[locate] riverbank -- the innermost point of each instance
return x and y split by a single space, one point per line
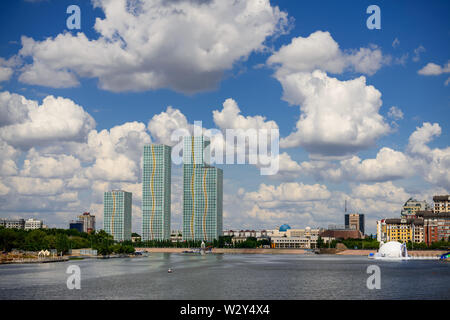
35 260
229 250
346 252
260 251
412 253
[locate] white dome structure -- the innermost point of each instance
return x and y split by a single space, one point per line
392 250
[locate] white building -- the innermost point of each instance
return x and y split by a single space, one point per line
32 224
88 222
245 233
295 238
294 242
381 230
176 236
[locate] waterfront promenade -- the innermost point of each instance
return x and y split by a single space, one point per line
229 251
35 260
347 252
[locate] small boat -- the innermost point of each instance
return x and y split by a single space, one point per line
141 253
169 271
445 257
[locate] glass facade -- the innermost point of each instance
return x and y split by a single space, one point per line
156 179
196 151
202 192
117 214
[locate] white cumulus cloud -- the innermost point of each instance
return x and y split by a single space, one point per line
182 45
433 69
337 117
320 51
27 124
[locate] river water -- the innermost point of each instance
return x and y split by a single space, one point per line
228 276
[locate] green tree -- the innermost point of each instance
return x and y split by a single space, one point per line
320 242
62 243
7 239
35 241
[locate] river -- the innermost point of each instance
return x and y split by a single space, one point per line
228 276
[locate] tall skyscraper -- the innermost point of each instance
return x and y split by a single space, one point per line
117 214
202 192
156 179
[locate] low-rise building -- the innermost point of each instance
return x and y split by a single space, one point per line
296 239
441 203
436 226
77 225
398 230
342 234
135 238
411 206
293 242
32 224
83 252
238 236
245 233
401 229
176 236
418 222
404 230
12 223
307 232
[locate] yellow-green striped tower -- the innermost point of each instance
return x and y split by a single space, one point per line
117 214
156 179
202 192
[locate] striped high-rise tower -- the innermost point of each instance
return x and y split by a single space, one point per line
156 192
202 192
117 214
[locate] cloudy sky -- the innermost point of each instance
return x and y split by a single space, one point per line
363 114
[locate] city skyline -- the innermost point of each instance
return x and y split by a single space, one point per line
362 118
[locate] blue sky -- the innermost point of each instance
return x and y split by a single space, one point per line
413 34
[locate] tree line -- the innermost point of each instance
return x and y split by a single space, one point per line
62 240
222 242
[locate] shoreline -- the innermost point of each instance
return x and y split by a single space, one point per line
229 251
346 252
33 260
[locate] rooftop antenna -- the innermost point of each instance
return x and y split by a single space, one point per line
345 205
